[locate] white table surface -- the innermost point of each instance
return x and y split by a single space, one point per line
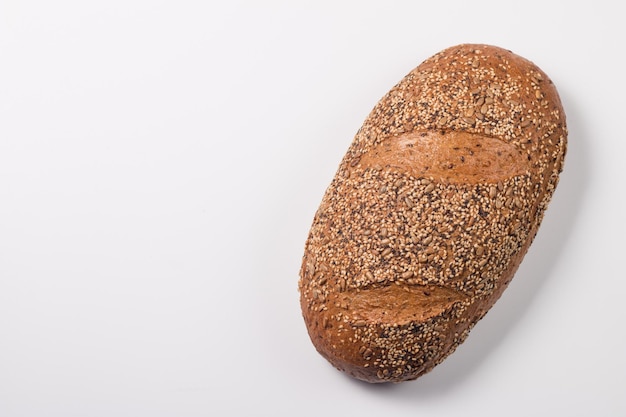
160 165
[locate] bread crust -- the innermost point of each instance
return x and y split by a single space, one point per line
431 211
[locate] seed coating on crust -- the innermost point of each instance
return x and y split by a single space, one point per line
431 211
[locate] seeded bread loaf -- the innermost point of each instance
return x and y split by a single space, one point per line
431 211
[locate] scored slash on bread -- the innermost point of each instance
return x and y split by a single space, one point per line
431 211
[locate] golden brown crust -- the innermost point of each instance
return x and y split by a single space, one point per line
431 211
447 156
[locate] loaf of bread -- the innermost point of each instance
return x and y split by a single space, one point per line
431 211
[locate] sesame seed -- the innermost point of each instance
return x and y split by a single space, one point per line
469 120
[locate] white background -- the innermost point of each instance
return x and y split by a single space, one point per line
160 165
